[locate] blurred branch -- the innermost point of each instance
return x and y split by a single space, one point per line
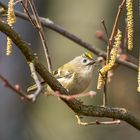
15 88
37 24
78 107
51 25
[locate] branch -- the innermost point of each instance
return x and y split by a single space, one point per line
116 21
96 122
39 27
51 25
15 88
71 97
34 95
78 107
109 47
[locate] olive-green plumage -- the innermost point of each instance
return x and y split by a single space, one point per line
75 75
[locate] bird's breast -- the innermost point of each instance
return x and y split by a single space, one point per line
76 84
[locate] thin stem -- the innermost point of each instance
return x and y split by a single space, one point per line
96 122
28 13
106 32
19 92
116 21
71 97
34 95
107 61
41 33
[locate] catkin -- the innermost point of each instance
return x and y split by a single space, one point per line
129 8
11 19
113 56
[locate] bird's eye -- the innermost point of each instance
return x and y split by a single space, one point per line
84 61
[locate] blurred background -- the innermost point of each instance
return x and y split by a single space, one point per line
50 118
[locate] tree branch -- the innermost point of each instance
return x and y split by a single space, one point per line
15 88
53 26
77 106
40 30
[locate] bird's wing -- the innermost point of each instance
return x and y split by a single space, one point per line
62 74
58 74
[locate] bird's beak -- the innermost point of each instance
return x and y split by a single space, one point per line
92 62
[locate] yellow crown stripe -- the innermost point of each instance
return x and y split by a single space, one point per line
88 55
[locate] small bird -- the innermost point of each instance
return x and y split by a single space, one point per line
75 75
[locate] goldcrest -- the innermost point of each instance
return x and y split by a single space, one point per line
75 75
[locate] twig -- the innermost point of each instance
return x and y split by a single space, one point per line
70 97
116 21
107 61
34 95
41 33
51 25
16 89
28 13
38 26
96 122
77 106
106 32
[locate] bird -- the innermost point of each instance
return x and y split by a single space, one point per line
75 76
